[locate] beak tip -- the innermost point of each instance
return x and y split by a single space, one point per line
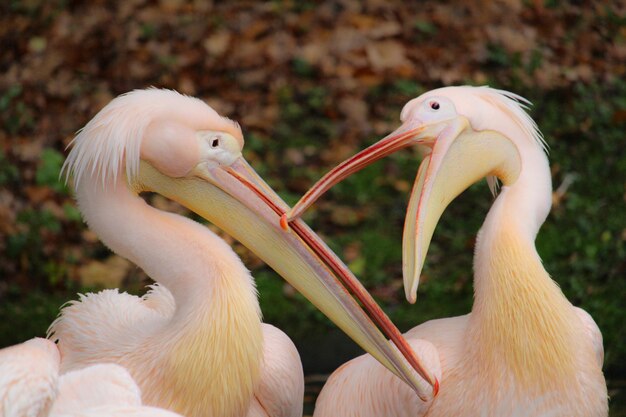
410 289
284 222
411 297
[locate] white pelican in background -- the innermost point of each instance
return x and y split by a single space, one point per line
30 386
523 346
195 343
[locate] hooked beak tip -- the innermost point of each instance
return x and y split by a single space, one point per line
284 222
410 291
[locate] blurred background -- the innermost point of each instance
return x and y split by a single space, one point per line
312 83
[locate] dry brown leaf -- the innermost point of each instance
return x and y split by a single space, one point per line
107 274
263 119
355 111
218 43
352 251
386 55
37 194
165 204
281 48
513 39
344 216
385 30
347 39
362 21
313 52
7 213
295 156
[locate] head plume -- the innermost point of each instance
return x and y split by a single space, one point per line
516 107
112 140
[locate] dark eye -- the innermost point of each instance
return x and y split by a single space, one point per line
215 142
434 105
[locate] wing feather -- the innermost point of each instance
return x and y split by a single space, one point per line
594 333
363 387
28 378
281 390
95 386
104 326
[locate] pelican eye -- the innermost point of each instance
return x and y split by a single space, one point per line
215 142
434 105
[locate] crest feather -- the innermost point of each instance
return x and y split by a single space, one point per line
516 107
111 141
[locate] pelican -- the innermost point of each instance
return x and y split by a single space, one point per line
523 349
30 385
195 343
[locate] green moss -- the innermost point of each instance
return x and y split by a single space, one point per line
25 316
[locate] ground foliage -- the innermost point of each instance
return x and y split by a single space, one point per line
311 83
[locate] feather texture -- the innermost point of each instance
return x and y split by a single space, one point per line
194 343
29 375
523 349
30 386
112 139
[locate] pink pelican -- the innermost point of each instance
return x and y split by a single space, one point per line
524 350
195 343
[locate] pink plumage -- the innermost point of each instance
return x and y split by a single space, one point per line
524 350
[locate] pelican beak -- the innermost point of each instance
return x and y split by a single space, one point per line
237 200
458 157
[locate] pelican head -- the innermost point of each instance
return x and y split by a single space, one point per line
469 133
162 141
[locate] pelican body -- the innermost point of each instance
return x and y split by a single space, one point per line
195 343
524 350
30 386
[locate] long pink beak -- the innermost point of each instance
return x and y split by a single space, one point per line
401 138
248 178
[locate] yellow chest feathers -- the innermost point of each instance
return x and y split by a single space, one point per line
213 366
522 324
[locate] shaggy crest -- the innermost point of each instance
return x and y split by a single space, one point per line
112 139
516 107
